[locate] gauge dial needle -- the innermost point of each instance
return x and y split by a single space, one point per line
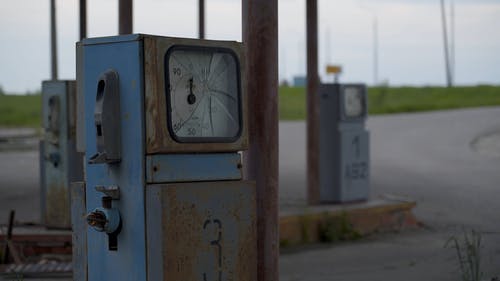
191 98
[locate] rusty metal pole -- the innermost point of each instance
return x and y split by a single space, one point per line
201 19
260 36
125 17
53 39
10 225
312 102
83 19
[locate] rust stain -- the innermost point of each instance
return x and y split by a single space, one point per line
58 209
247 250
180 257
207 233
152 95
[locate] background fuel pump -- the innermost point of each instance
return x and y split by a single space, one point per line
60 163
344 143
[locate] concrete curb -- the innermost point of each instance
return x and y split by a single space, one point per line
325 223
333 223
16 139
18 133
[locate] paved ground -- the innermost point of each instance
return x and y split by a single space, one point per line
427 157
19 186
447 161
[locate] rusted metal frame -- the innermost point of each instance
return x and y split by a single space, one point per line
39 238
83 19
125 17
13 252
260 36
7 237
312 102
9 248
201 19
158 139
53 39
39 270
20 250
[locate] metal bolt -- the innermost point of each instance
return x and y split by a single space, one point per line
97 220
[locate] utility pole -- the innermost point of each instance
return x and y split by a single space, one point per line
260 36
452 39
445 39
83 19
125 17
53 39
312 102
201 19
328 57
375 50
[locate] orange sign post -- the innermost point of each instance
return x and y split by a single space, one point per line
336 70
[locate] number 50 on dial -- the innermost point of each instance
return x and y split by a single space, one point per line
203 94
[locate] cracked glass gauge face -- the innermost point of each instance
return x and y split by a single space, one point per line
353 102
203 94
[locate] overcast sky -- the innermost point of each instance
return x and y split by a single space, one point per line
410 38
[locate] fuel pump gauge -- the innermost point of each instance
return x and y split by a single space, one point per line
353 99
203 94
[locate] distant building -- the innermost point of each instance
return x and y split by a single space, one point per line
299 81
284 83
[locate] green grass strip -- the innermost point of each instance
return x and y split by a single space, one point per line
384 100
25 110
20 111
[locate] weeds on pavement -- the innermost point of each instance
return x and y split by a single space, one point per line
468 251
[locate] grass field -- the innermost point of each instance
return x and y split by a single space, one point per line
25 111
403 99
20 111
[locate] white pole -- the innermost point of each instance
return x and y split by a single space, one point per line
452 39
375 50
445 39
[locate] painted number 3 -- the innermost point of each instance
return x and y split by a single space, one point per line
215 243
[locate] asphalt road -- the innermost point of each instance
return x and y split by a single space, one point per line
449 162
428 157
19 188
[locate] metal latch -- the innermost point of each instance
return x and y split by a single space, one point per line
106 218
